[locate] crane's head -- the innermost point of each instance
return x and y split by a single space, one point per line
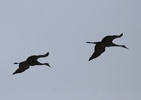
16 63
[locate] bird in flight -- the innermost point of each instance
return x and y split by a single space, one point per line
106 42
30 61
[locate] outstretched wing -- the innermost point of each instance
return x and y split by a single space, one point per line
35 57
22 67
109 39
99 49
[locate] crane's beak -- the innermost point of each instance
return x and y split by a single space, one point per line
16 63
92 42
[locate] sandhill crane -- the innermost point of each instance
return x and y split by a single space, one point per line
106 42
30 61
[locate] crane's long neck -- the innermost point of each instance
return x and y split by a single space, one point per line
93 42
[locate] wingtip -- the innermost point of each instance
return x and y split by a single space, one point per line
47 54
90 59
15 73
121 34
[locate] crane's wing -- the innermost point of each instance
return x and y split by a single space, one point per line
22 67
99 49
35 57
110 38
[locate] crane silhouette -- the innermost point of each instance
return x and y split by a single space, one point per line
106 42
30 61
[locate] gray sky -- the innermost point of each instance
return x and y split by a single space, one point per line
62 27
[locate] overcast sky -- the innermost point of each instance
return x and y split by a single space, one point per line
62 27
